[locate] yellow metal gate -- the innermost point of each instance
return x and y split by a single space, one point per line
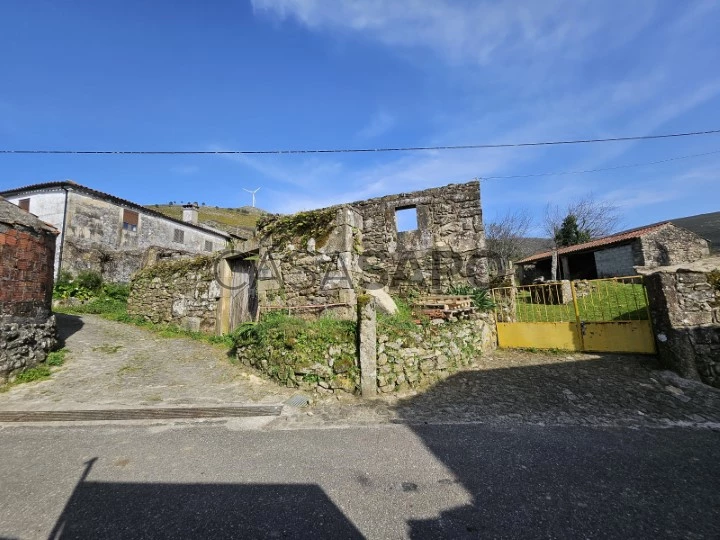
599 315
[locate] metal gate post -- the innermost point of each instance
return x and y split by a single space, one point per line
579 327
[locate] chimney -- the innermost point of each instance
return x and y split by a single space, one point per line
190 213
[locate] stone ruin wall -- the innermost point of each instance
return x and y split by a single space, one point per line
313 271
448 247
27 325
672 245
365 250
181 292
685 307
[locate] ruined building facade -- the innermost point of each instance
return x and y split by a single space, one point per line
312 262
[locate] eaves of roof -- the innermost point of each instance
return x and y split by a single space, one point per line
74 186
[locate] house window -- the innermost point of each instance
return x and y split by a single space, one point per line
406 219
130 220
208 245
24 204
179 236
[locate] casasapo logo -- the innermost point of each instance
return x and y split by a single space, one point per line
333 269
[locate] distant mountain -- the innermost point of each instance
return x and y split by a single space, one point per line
531 245
705 225
233 220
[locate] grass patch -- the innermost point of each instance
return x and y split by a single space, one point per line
39 372
607 301
114 310
56 358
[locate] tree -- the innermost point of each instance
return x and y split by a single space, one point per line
569 233
594 218
504 236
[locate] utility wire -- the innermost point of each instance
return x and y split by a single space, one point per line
361 150
599 170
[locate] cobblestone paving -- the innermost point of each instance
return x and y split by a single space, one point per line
115 365
540 388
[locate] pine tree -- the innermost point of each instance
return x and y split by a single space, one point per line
569 234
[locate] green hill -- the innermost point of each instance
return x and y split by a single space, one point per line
234 220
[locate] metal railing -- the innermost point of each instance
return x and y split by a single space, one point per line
597 300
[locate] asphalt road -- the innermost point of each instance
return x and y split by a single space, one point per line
219 480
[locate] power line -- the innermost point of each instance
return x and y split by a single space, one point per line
362 150
600 170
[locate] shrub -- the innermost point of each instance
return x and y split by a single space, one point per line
90 280
480 298
714 279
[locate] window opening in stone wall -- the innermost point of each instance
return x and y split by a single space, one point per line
24 204
406 219
179 236
208 245
130 220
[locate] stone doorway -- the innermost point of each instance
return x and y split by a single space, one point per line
243 291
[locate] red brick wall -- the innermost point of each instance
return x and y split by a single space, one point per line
26 272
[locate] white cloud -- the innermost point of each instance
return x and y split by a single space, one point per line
472 30
379 124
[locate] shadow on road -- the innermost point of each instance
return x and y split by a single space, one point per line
67 325
153 510
568 481
609 389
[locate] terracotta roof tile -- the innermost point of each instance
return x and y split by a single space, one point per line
598 242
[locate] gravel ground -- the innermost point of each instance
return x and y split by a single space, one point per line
543 389
114 365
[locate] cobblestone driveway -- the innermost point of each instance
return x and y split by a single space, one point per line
545 389
115 365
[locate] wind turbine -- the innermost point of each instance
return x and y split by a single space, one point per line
253 194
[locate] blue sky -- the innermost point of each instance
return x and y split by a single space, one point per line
265 74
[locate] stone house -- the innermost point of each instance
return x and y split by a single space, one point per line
110 235
311 262
661 244
27 325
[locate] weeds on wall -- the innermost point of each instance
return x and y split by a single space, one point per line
300 227
295 350
480 298
39 372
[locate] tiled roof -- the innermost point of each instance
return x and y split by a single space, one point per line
618 238
111 198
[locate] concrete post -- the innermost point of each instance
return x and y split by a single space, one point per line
367 338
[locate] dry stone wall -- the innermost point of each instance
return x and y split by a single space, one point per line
181 292
406 358
671 245
685 307
415 358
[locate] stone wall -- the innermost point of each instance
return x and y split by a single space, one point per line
406 357
311 259
182 292
326 256
670 245
447 248
414 358
96 240
27 326
685 308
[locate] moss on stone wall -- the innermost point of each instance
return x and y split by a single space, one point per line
167 269
320 354
299 228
